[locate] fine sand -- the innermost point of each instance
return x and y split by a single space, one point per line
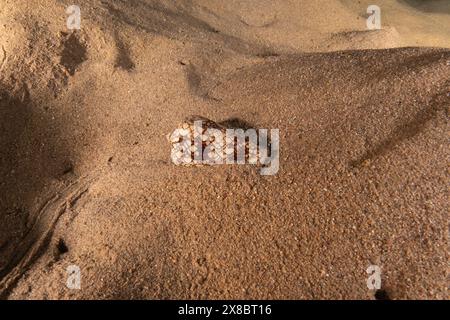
86 177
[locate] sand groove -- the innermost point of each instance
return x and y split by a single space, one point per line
38 236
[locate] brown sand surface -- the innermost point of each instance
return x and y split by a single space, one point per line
86 177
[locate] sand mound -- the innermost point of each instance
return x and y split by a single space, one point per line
86 172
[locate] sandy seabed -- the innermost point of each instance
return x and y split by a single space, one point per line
86 177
